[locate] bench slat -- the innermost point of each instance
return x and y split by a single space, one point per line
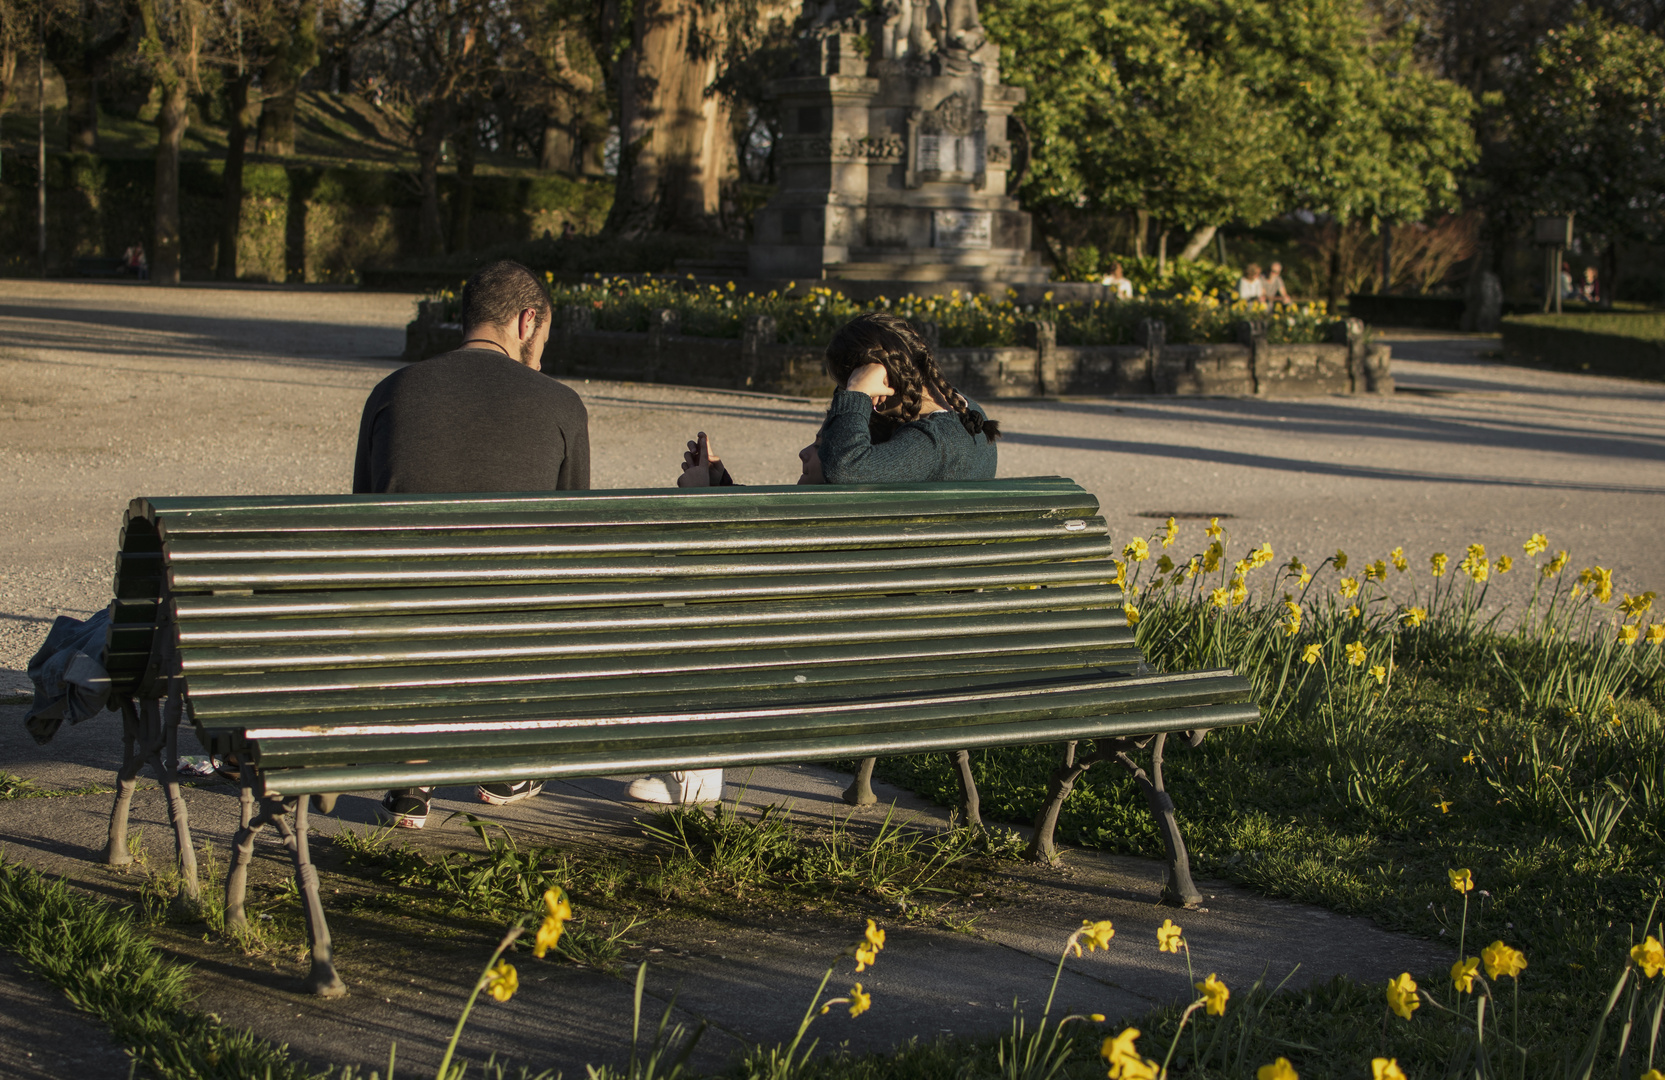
594 594
311 781
256 633
679 540
1014 652
633 643
303 574
600 728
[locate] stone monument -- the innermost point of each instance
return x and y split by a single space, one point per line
894 160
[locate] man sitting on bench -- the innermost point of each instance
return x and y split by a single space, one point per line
479 419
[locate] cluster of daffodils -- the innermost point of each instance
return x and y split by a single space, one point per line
500 979
1121 1051
866 953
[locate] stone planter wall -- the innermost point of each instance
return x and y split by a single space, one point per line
1043 368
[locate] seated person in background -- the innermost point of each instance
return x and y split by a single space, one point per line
1251 287
1273 290
479 419
894 418
1117 282
1589 290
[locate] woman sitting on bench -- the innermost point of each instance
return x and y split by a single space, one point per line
894 419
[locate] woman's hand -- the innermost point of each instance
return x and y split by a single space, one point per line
872 380
700 467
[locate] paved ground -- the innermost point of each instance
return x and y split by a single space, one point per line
109 391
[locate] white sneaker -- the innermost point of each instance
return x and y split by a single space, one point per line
681 788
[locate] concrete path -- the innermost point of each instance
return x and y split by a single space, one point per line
110 391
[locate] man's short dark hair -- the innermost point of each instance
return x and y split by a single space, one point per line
498 293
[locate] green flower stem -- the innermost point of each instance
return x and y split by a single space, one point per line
479 984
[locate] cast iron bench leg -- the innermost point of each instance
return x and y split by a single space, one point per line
1178 890
116 853
322 979
860 791
166 763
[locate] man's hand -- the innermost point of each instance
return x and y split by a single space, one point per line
700 467
872 380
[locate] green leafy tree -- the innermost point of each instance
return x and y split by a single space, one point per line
1585 130
1202 112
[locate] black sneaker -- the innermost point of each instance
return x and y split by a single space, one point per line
405 809
504 794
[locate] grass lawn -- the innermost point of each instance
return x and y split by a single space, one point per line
1645 325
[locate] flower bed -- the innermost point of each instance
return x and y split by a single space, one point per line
963 321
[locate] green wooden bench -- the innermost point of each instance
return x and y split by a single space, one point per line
349 643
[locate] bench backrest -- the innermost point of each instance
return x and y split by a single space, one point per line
406 636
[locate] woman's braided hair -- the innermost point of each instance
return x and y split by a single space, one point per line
878 337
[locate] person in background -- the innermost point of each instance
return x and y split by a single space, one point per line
1273 291
478 419
1589 290
1251 287
1117 283
133 262
1567 291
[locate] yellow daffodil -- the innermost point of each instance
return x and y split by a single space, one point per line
1376 571
1379 673
1437 562
502 981
1504 564
1212 557
1653 1074
1311 653
1132 614
557 912
873 935
1340 560
1119 1048
1628 634
1500 959
1353 612
1461 880
1097 935
866 957
1444 807
1402 996
1634 607
1536 544
1477 568
1555 565
1356 654
1164 565
1239 592
1169 938
1349 587
1214 993
1172 531
1136 549
1214 530
1219 598
1656 634
860 1001
1414 616
1280 1069
1400 563
1649 956
1386 1068
1295 565
1462 974
1260 556
1306 576
1121 572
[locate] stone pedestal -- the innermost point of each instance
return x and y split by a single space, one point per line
894 162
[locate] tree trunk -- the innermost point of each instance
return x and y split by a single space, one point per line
1197 241
675 151
1334 289
81 113
237 137
1387 260
1161 250
171 120
280 80
1610 274
430 228
1141 233
462 197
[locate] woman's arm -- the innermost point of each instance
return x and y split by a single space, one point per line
848 455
